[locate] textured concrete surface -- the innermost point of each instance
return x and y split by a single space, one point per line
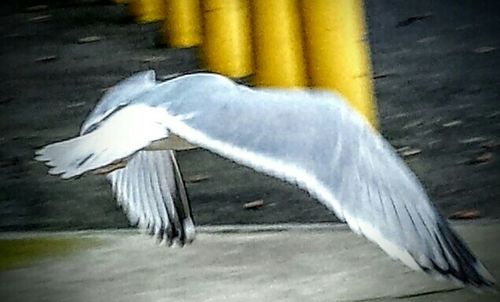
296 263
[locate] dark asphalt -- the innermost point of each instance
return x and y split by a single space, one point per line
437 76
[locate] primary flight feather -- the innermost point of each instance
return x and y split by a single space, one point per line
310 138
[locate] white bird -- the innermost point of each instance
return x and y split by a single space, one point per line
310 138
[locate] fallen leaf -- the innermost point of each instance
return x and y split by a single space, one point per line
465 214
413 124
382 75
491 144
254 204
427 39
482 158
412 20
494 114
196 178
89 39
41 18
403 148
484 49
471 140
411 152
152 59
75 105
46 58
452 124
36 8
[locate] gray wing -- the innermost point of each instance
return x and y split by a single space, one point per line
315 140
149 191
312 139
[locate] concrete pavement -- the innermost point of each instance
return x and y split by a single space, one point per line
322 262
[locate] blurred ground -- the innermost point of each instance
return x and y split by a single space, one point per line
437 75
301 263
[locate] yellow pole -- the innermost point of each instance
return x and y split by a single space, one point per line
146 11
337 51
226 43
182 25
279 55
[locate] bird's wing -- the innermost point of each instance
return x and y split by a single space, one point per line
150 191
314 140
119 95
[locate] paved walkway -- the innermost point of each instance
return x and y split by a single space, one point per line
274 263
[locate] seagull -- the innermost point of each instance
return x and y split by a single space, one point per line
310 138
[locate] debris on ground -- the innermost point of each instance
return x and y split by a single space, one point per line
472 140
427 39
452 123
254 204
494 114
76 105
413 124
410 152
196 178
484 49
382 75
491 144
412 20
402 149
482 158
90 39
152 59
40 18
36 8
46 58
465 214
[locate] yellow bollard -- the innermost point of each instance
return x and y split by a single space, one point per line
226 42
279 55
182 25
338 55
146 11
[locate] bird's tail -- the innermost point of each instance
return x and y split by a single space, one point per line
121 135
73 157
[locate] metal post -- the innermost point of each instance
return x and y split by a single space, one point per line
338 54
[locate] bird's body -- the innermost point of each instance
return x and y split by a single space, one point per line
310 138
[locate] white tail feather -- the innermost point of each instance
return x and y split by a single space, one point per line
121 135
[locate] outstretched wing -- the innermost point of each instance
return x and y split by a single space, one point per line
149 189
313 139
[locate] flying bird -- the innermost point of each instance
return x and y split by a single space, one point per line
310 138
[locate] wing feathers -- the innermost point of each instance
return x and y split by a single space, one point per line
145 193
400 219
312 139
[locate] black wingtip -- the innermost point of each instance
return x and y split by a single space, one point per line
464 267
